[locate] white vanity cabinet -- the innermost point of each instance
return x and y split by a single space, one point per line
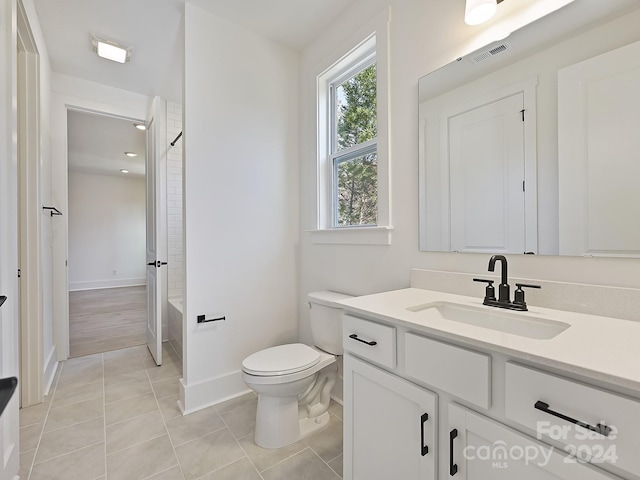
481 448
419 407
392 423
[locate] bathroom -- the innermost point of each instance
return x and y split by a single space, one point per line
252 249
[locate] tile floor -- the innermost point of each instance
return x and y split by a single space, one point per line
114 416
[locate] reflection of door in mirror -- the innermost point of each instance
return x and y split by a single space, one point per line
486 175
599 153
477 148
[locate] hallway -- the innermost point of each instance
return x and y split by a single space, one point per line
114 416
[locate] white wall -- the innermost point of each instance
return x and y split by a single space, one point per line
425 34
175 231
106 231
240 201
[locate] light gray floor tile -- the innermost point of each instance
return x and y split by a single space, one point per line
192 426
242 420
30 436
237 402
34 414
130 408
131 352
85 464
76 394
80 376
26 460
336 409
114 392
164 372
327 443
264 458
208 453
169 407
336 464
70 414
137 430
142 460
304 465
174 473
239 470
125 376
166 388
66 440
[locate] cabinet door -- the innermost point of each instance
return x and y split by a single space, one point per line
389 425
481 448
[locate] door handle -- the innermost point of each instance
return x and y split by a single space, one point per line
424 448
156 264
453 467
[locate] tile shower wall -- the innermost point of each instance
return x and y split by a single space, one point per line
174 202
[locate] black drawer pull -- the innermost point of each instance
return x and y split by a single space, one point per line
453 467
599 428
371 343
424 448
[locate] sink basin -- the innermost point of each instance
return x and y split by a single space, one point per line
493 319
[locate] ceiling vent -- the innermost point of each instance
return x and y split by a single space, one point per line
487 53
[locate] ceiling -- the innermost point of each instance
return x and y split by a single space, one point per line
153 28
96 144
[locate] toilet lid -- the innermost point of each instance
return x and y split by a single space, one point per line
281 360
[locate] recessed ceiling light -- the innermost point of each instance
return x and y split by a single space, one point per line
124 170
131 154
110 50
479 11
140 126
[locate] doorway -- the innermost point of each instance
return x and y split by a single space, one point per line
106 233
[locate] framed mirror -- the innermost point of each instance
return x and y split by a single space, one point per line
532 144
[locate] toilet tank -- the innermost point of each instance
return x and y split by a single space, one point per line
326 320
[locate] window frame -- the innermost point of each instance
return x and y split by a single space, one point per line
373 47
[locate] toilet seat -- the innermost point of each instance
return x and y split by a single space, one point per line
281 360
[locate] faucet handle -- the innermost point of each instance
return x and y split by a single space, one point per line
518 295
490 291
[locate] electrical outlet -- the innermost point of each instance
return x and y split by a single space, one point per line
115 272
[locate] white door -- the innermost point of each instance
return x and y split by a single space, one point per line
9 424
481 448
599 154
486 174
391 425
156 168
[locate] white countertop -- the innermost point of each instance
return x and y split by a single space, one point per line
604 348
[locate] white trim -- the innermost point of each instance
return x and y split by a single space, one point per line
352 236
97 284
50 367
211 392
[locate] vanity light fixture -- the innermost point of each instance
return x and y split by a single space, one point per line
124 170
131 154
140 126
479 11
110 50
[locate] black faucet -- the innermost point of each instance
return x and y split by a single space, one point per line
504 296
503 288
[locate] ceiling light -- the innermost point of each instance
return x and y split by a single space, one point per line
479 11
131 154
110 50
140 126
124 170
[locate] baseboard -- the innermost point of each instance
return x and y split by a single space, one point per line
50 368
210 392
115 283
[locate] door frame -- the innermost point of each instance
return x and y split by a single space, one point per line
60 105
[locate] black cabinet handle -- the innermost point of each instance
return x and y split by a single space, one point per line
424 448
355 337
599 428
2 299
453 467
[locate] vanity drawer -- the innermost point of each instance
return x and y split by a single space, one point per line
461 372
369 340
534 399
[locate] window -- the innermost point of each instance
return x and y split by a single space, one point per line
353 143
354 146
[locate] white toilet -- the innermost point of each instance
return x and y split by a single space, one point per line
294 381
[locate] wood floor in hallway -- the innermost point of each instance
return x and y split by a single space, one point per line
106 319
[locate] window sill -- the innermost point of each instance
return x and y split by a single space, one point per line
352 236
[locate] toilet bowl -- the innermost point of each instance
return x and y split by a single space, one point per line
294 381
